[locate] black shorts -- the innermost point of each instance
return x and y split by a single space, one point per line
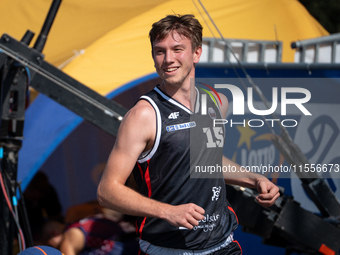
232 249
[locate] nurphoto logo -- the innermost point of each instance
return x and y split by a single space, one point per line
239 99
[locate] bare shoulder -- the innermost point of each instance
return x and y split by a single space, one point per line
141 115
145 108
73 241
74 234
138 125
223 104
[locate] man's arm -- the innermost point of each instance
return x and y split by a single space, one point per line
268 191
136 134
73 241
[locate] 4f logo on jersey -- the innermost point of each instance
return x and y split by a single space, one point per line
173 115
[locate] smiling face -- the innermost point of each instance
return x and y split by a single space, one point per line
174 59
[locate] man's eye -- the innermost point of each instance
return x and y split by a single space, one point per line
178 50
159 52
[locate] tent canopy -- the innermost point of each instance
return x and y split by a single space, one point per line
76 26
115 33
124 53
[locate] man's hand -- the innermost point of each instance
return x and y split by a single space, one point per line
186 215
268 192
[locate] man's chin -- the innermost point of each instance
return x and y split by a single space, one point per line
173 82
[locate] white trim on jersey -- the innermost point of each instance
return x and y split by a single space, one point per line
172 100
158 131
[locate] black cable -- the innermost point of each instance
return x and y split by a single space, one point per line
11 209
24 216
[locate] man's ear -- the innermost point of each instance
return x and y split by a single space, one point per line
197 54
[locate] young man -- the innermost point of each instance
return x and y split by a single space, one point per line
165 134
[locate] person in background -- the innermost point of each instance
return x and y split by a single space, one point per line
107 232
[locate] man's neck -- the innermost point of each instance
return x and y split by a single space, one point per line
185 94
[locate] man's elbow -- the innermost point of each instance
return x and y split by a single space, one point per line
101 195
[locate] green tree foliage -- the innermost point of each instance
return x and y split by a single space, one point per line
327 12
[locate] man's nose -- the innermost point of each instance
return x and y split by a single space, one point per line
168 58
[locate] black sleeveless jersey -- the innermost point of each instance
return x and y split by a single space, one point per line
186 144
